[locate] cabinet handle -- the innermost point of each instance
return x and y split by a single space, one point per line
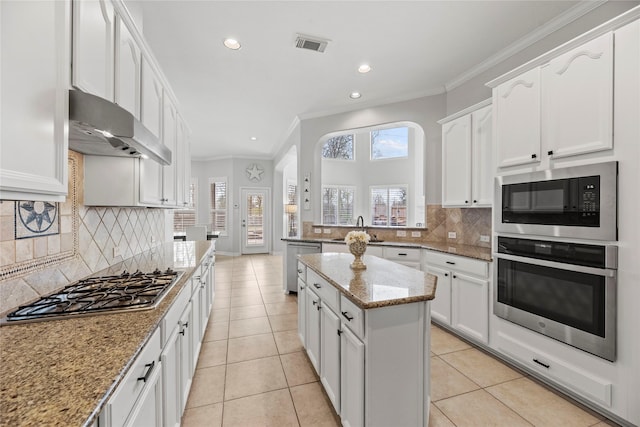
299 271
541 363
466 201
315 302
455 277
317 285
182 332
346 315
339 332
475 201
446 274
146 375
533 156
402 254
451 262
550 152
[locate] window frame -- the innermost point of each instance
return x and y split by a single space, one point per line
225 210
374 223
371 158
342 159
339 188
190 207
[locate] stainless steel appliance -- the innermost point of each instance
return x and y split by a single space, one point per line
291 261
566 291
577 202
105 294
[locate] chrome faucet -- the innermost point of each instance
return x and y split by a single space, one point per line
360 222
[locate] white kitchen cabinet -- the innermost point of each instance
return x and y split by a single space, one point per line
35 40
517 120
462 297
148 410
128 59
93 40
151 98
186 344
577 99
183 164
456 162
302 312
170 359
467 148
169 137
470 306
441 304
313 328
330 330
406 256
352 384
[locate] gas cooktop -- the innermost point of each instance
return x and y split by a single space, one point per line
100 295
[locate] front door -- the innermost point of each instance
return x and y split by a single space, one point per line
255 220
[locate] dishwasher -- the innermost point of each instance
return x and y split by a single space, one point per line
291 261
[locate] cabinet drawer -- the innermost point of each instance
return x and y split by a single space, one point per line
352 316
585 383
459 264
327 293
401 254
132 385
302 271
172 317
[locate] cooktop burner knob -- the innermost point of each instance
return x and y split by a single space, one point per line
157 271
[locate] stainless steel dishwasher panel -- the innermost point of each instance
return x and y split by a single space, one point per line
291 262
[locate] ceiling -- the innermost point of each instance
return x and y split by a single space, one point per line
415 48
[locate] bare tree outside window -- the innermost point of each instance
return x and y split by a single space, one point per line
338 147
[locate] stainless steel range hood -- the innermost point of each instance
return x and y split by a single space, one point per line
103 128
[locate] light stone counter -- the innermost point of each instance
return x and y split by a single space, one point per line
62 372
381 284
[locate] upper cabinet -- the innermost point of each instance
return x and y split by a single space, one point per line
563 107
577 99
151 108
467 171
35 40
127 69
93 39
517 119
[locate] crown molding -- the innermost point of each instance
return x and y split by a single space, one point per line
538 34
234 157
466 111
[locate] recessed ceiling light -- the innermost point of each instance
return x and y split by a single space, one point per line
355 95
253 138
364 68
232 44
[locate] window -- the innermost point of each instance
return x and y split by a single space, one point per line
389 206
183 218
337 205
290 210
218 204
390 143
338 147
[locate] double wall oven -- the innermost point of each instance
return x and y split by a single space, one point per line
556 257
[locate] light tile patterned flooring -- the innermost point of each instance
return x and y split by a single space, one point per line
252 369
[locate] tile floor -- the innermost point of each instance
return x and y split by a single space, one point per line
252 369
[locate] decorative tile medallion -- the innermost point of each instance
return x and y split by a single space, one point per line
35 219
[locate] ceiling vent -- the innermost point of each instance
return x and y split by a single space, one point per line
311 43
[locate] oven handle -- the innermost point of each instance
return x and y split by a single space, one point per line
605 272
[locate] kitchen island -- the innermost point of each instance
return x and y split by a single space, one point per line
367 334
64 372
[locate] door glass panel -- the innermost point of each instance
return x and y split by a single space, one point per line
255 220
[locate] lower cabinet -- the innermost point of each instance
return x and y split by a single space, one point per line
330 354
312 308
462 295
351 379
148 410
186 344
170 359
302 312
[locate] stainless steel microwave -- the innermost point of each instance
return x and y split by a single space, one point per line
574 202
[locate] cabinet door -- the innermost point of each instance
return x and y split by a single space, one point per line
517 109
151 103
170 358
482 157
148 409
169 120
302 312
194 328
183 163
456 162
330 355
470 306
93 35
351 380
313 329
186 359
35 69
441 304
150 182
577 99
127 70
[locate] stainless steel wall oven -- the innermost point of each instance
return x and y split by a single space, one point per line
566 291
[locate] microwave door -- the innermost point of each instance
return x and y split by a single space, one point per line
551 197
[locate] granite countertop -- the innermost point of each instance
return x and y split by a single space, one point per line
476 252
61 372
381 284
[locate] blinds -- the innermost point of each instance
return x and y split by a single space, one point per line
183 218
337 205
218 204
389 206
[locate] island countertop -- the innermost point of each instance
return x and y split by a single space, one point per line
383 283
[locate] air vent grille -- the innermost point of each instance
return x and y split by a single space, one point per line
311 43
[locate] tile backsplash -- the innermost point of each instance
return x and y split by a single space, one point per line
33 267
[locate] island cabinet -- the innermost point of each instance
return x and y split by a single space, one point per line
463 294
367 335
